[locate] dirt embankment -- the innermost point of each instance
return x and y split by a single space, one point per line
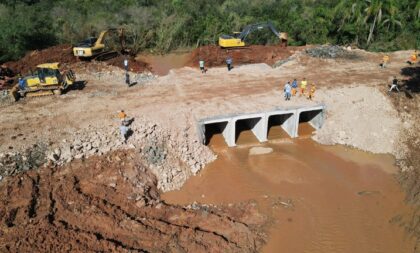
64 55
111 204
407 104
216 56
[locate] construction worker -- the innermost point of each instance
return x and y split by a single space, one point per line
294 87
201 63
413 58
394 84
303 84
385 61
229 63
311 92
121 115
287 91
124 131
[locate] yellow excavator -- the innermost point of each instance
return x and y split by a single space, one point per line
99 48
45 80
238 38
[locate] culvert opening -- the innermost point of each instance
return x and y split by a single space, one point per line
214 131
243 130
274 127
306 126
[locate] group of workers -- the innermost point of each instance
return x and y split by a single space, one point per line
291 89
229 64
411 61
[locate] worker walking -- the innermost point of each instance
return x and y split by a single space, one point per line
385 61
294 87
124 132
303 84
311 92
287 91
201 63
127 75
394 85
124 119
229 63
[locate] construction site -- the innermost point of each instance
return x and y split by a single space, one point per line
211 160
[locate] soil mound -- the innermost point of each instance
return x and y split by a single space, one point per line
111 204
216 56
133 65
64 55
60 53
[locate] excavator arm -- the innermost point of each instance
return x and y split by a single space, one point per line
250 28
237 40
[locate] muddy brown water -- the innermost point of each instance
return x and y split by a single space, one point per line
162 64
319 198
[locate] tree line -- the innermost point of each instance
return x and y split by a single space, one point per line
164 25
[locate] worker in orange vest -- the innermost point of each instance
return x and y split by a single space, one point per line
413 58
385 61
311 92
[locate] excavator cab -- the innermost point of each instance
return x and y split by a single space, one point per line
97 48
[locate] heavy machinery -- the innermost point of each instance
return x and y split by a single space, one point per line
100 48
45 80
238 38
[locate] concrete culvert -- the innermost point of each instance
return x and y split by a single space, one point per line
310 121
212 129
277 127
248 124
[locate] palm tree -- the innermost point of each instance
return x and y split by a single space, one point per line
376 10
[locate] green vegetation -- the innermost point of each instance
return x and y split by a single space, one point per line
163 25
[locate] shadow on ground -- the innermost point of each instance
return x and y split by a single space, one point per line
412 84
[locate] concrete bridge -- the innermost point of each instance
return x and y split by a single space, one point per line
260 123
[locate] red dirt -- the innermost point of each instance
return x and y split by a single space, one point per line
216 56
64 55
133 65
111 204
61 53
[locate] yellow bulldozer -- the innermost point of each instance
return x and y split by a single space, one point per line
45 80
238 38
100 48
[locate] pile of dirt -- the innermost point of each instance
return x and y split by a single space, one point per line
61 53
64 55
111 204
216 56
133 65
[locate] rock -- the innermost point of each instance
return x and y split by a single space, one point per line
79 156
66 152
260 150
57 151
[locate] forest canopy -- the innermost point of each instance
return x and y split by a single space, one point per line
164 25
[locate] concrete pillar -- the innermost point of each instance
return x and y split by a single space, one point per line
287 122
255 122
313 115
